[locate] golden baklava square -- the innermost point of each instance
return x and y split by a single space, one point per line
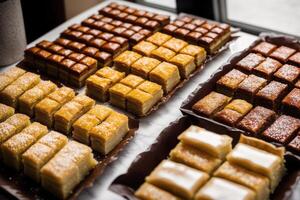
124 61
144 48
163 54
111 74
185 64
175 44
5 112
158 38
132 81
144 66
197 52
149 191
118 93
97 87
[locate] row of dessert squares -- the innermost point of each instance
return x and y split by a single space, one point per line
48 158
257 121
60 108
203 165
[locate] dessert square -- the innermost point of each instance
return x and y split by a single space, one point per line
136 38
181 32
197 52
295 59
152 192
211 103
267 68
9 76
6 112
282 53
64 69
291 103
78 74
166 75
271 95
144 66
287 74
209 142
185 64
295 144
145 48
194 157
219 188
158 38
166 176
169 29
248 63
283 129
53 64
124 61
103 58
249 87
163 54
97 87
193 37
139 102
257 120
111 47
264 48
175 44
152 88
297 84
132 81
117 95
229 83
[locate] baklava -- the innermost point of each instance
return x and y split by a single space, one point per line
108 134
163 53
41 152
67 169
177 178
145 48
6 112
197 52
151 192
175 44
159 38
144 66
46 108
31 97
15 146
9 76
124 61
71 111
185 64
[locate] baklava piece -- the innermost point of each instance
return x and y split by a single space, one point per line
118 93
260 184
295 59
158 38
177 178
11 93
86 122
99 83
31 97
175 44
71 111
294 145
193 157
151 192
267 68
282 53
287 74
185 63
291 103
233 112
67 169
271 95
219 188
107 135
197 52
264 48
9 76
163 54
143 66
41 152
45 109
248 63
249 87
6 112
124 61
166 75
12 126
14 147
211 103
143 98
229 83
145 48
260 157
257 120
283 129
211 143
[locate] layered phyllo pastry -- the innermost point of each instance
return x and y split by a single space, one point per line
83 126
12 126
31 97
67 169
143 66
151 192
124 61
99 83
9 76
177 178
185 64
71 111
197 52
45 109
41 152
11 93
14 147
163 53
159 38
5 112
211 103
144 48
108 134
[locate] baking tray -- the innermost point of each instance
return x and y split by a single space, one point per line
21 187
142 166
208 86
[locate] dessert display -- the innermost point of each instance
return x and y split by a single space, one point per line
5 112
210 35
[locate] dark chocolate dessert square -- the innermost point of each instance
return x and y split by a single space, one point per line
145 32
116 23
294 145
85 38
97 42
136 38
119 30
106 36
264 48
76 46
178 23
127 33
291 103
103 58
120 40
111 47
181 32
76 56
136 28
198 22
186 19
169 29
193 37
201 30
62 41
162 19
189 26
141 20
94 32
90 51
44 44
267 68
88 22
65 52
130 18
297 84
248 63
152 25
287 74
55 48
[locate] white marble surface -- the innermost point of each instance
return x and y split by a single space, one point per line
151 126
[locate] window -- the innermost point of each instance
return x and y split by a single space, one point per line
168 5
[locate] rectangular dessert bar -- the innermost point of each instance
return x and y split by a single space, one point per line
148 190
71 111
291 103
5 112
46 108
125 60
9 76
